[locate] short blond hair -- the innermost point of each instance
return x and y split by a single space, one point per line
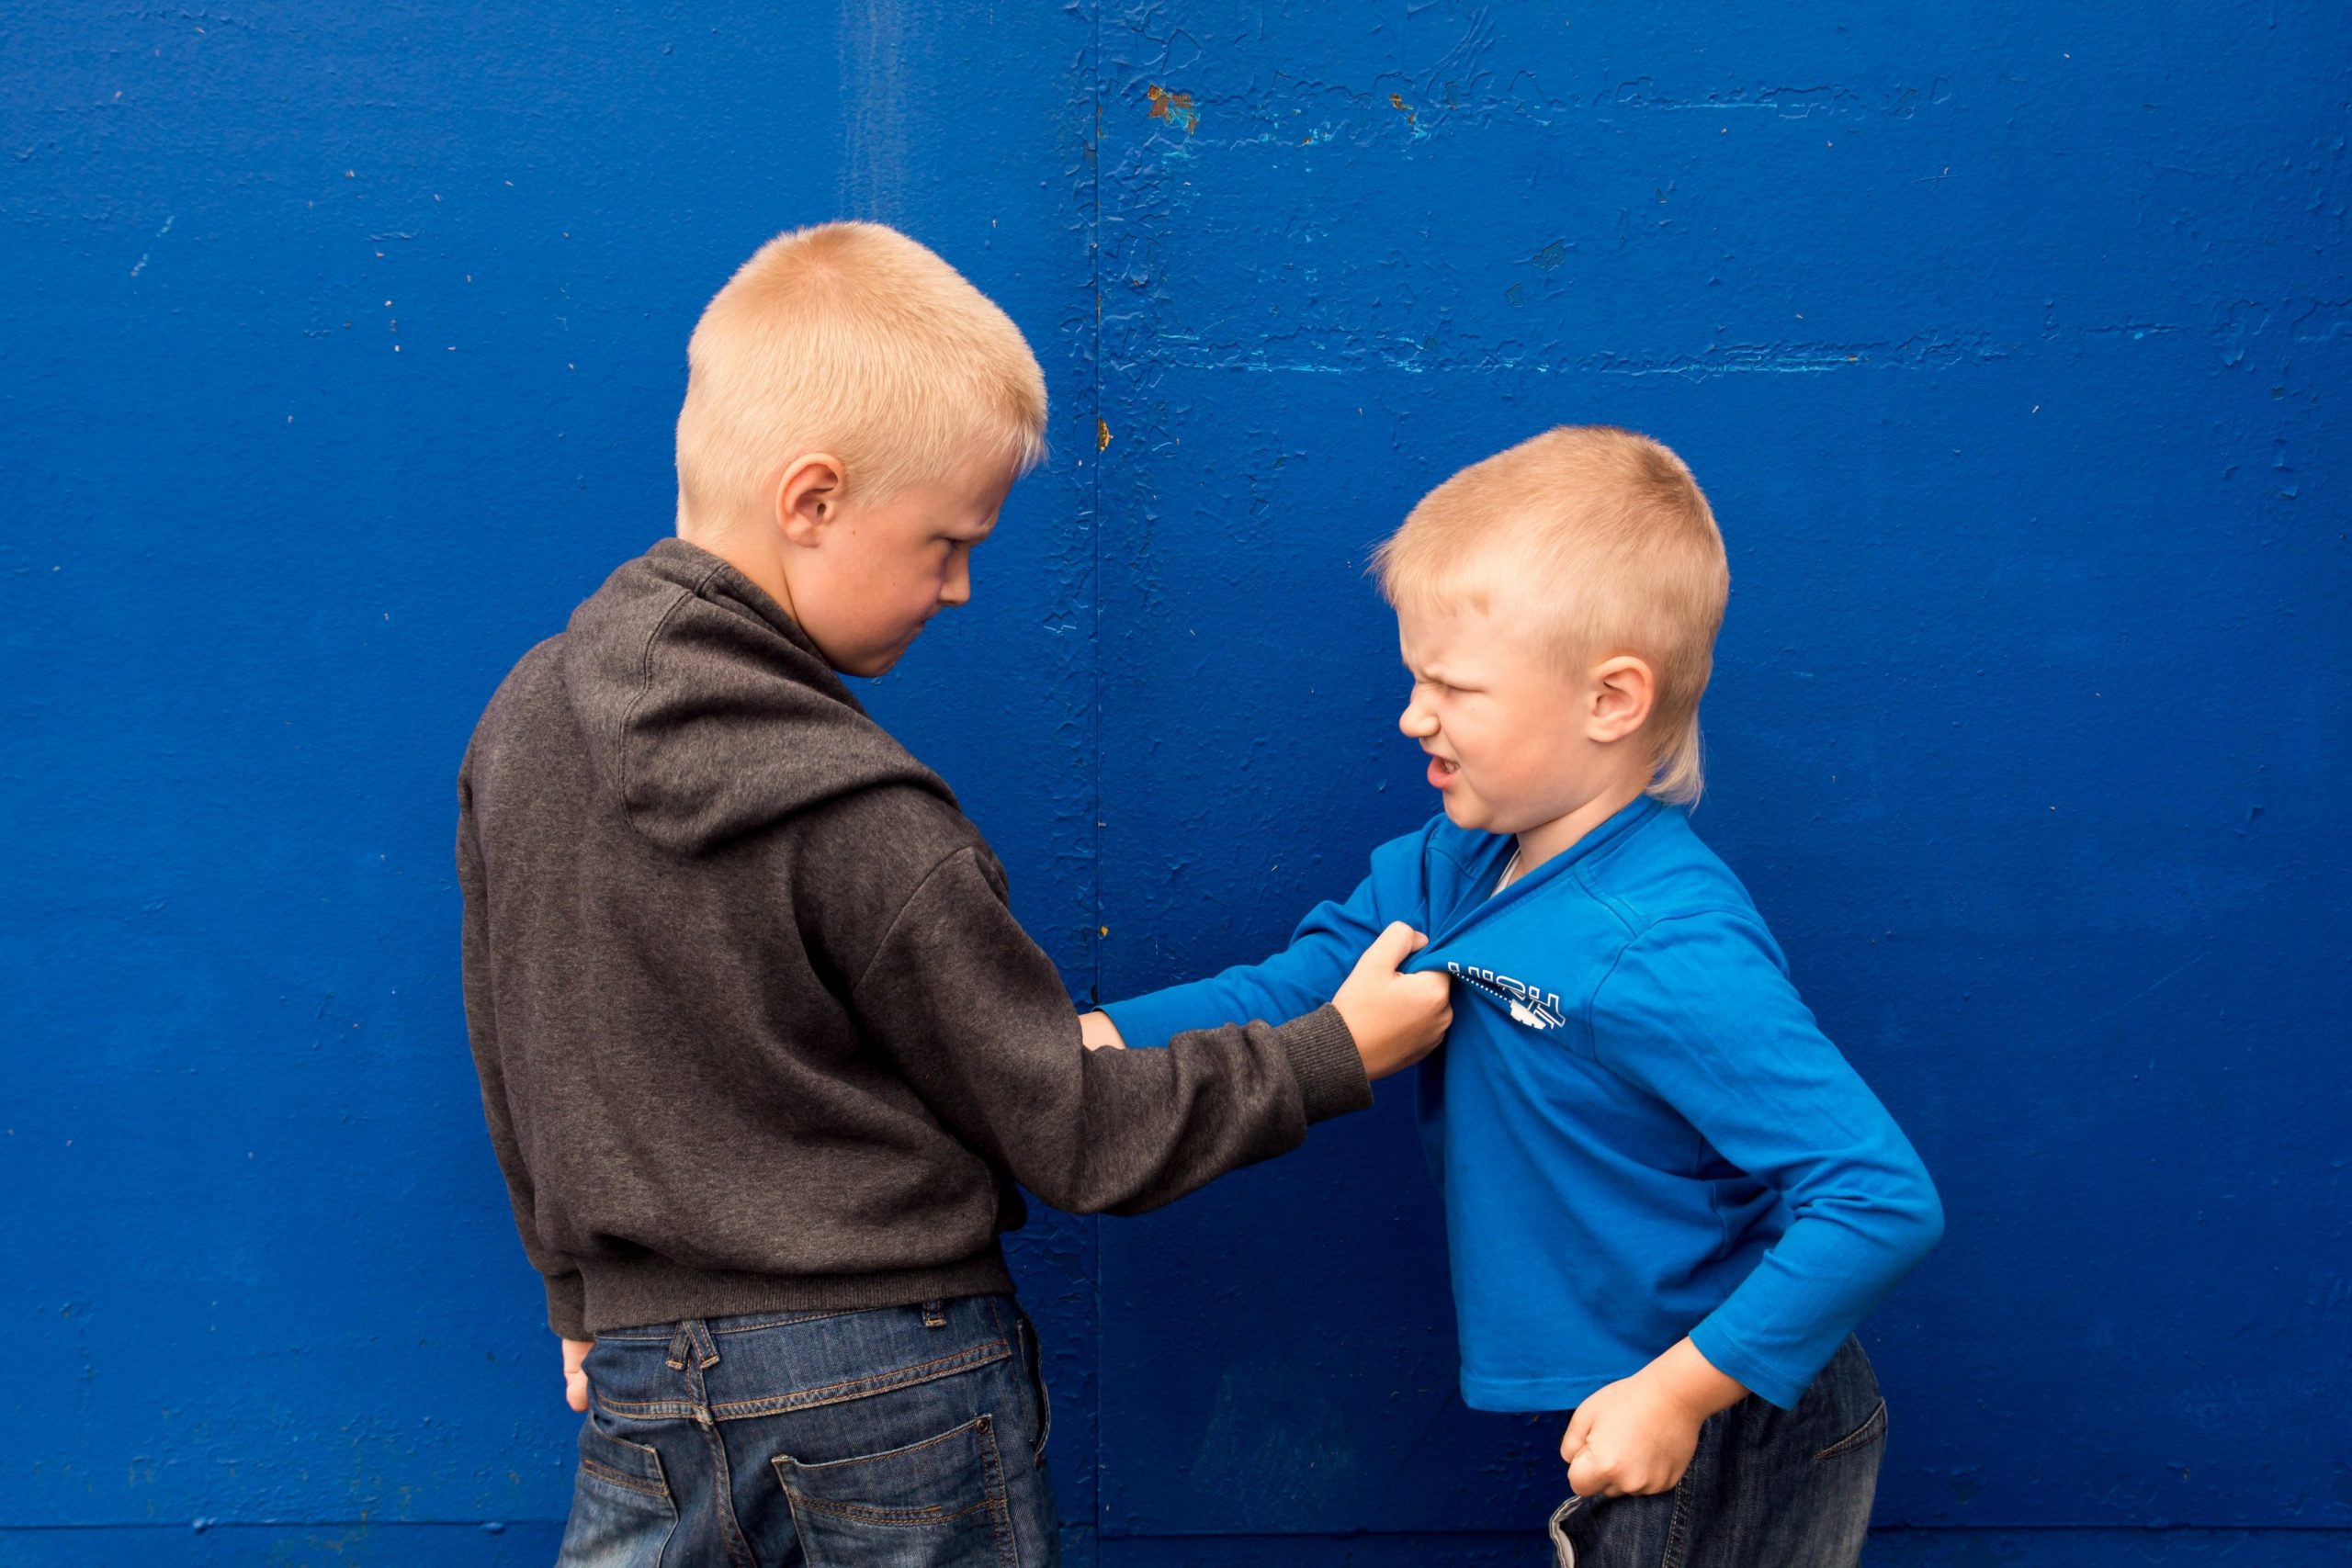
852 338
1612 535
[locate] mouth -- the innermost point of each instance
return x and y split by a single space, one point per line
1441 771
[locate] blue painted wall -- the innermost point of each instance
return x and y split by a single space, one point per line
341 346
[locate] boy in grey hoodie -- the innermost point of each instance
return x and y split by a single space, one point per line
764 1056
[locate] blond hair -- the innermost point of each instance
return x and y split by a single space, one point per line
850 339
1614 538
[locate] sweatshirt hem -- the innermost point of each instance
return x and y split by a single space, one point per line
642 1292
1528 1397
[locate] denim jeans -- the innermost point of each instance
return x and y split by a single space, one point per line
1766 1488
907 1437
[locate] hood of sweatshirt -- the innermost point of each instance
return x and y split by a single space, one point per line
707 709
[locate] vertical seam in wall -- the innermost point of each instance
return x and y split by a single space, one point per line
1093 134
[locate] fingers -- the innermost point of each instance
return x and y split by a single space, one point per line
1398 942
1586 1476
1579 1429
575 1374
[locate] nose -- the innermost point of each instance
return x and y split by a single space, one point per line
1417 720
957 589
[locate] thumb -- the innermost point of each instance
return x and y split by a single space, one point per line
1395 945
1579 1430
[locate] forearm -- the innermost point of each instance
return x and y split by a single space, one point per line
1825 1275
985 1041
1692 1382
1288 986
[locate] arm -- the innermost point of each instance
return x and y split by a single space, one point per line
1297 981
974 1018
1698 1012
565 1302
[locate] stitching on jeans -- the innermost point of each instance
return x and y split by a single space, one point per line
1678 1529
831 1393
620 1478
992 1485
785 1320
1872 1428
861 1388
967 1428
992 1493
680 1409
865 1514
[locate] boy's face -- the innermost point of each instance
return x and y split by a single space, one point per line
1508 732
875 572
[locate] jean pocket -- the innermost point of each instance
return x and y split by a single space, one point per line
1871 1430
934 1503
1564 1551
622 1514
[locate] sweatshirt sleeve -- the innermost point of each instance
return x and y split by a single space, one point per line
566 1304
1698 1012
1302 976
974 1017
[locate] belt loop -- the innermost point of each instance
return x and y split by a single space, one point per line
706 1350
935 1314
680 1343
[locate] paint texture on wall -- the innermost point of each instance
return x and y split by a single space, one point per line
344 346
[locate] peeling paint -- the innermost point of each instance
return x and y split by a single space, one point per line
1174 107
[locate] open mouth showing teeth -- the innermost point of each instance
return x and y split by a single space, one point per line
1443 766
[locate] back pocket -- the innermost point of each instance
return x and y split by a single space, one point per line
929 1504
622 1514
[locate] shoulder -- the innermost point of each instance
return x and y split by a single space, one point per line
529 697
887 837
1708 973
1661 873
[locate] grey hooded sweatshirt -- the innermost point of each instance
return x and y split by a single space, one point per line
755 1028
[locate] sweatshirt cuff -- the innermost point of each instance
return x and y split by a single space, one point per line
567 1306
1728 1356
1323 1059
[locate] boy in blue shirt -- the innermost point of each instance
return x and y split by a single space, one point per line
1669 1201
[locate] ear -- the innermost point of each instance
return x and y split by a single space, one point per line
1623 689
807 497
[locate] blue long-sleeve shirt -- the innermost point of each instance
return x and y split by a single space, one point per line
1639 1131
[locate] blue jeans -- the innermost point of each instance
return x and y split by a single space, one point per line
1766 1488
905 1437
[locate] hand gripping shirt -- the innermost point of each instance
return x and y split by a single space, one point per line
1638 1129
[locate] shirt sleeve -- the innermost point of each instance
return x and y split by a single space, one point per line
976 1020
1303 975
566 1300
1700 1012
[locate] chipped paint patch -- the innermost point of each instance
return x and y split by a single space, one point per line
1101 435
1176 108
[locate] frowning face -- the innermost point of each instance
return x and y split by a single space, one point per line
1516 743
877 571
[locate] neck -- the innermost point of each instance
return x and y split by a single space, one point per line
1564 833
748 551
